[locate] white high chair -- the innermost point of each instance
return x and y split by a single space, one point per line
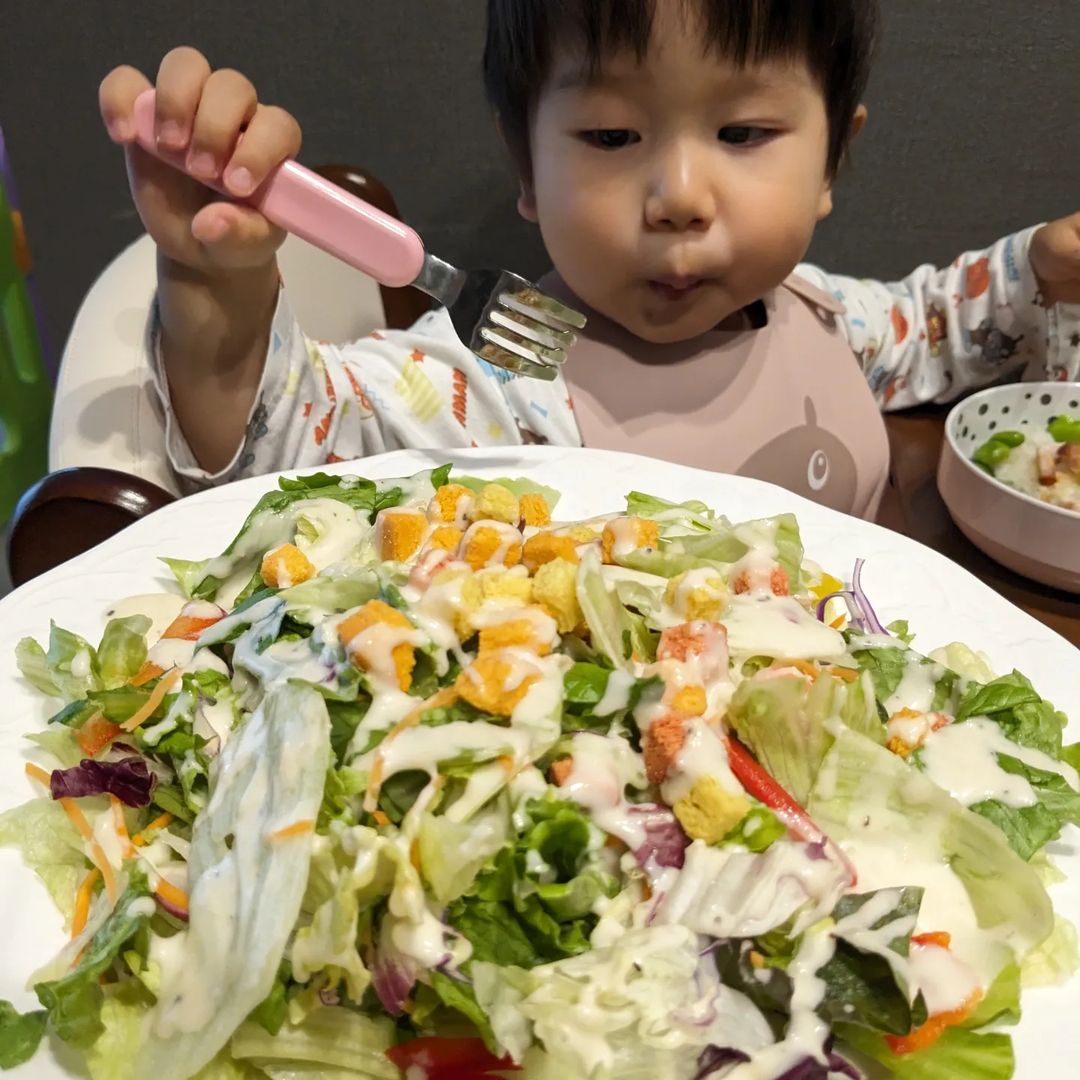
106 414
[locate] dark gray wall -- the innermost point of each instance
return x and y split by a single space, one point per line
975 122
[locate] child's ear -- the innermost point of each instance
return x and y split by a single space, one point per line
526 201
858 121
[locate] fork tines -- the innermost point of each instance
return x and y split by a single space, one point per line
526 331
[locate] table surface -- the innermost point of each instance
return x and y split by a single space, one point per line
914 506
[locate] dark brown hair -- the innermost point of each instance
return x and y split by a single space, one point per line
835 37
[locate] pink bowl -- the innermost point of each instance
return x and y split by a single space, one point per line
1019 531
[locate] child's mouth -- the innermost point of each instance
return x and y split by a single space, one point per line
675 288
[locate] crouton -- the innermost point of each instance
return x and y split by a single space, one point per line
689 701
543 547
451 505
445 538
495 503
399 532
750 575
697 594
286 565
709 812
490 543
524 633
377 639
493 684
624 535
560 771
555 588
701 641
535 511
661 745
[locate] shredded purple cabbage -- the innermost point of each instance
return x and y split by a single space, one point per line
177 913
860 610
714 1058
873 623
129 779
392 979
665 842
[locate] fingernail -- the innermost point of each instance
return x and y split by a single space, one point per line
202 164
119 130
172 134
240 181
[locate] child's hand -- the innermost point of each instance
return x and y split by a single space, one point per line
203 112
1055 258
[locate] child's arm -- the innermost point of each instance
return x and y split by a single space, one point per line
217 268
988 316
319 403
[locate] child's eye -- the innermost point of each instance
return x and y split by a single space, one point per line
609 138
742 135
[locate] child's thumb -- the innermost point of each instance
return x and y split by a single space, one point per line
235 237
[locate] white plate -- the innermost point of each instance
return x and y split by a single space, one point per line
942 603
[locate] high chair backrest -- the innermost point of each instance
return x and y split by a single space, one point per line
24 385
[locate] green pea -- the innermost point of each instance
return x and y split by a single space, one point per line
1064 429
1011 439
991 454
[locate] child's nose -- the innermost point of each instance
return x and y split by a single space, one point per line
680 197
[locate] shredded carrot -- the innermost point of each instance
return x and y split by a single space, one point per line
82 902
140 839
941 938
838 622
148 671
297 828
96 734
187 627
36 772
172 895
414 856
844 674
157 695
121 827
804 666
927 1034
97 856
446 696
380 818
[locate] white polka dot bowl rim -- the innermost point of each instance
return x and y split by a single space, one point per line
1034 538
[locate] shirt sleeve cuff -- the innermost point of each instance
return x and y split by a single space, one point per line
178 452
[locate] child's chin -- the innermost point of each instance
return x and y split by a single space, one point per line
668 330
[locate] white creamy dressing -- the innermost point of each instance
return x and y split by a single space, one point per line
963 759
616 695
508 535
778 626
81 665
339 531
625 534
703 754
916 688
806 1032
886 861
602 767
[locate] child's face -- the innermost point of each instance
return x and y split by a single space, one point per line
672 193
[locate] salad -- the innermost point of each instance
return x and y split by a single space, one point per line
1042 464
416 781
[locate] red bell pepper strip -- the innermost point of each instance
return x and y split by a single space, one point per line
449 1059
766 790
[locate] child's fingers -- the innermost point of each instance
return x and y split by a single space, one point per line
272 136
116 99
228 102
180 81
235 237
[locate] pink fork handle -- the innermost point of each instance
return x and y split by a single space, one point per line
303 203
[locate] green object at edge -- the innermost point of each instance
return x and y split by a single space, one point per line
25 394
